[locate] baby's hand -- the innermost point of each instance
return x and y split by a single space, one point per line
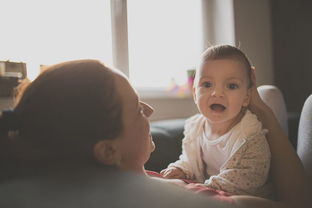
173 172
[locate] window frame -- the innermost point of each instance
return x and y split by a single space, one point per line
120 35
213 23
120 51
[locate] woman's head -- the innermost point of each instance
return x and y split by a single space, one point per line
70 108
133 146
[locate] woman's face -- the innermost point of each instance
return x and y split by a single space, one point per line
135 143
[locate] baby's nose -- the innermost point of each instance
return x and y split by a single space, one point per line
218 92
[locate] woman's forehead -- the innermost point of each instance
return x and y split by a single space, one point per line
128 95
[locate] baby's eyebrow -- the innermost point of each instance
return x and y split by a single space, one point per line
235 78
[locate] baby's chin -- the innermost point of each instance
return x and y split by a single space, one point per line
221 118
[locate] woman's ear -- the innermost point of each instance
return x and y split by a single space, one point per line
105 152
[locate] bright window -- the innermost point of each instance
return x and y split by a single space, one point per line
164 38
43 32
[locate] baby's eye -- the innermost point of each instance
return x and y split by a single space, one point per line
206 84
232 86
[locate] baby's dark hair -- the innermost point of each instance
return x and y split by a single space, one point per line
226 52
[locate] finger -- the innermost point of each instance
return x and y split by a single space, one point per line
165 173
167 170
170 174
176 174
253 76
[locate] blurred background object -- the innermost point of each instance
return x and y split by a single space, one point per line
11 73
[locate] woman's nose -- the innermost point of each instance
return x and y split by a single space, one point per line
147 109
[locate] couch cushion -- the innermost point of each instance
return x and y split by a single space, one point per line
167 135
304 147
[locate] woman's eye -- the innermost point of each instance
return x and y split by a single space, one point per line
142 110
206 84
232 86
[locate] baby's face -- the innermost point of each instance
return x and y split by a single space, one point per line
222 90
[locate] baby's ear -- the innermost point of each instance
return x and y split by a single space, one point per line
105 152
247 98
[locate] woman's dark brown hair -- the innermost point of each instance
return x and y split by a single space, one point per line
66 111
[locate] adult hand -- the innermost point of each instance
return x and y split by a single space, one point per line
256 104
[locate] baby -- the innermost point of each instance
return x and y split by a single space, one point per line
225 145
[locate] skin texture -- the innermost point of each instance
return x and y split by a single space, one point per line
223 82
132 149
173 172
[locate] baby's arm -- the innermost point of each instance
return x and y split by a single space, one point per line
248 173
180 169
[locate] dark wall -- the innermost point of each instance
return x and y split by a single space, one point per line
292 50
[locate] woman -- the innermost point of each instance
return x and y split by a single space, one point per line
77 108
81 113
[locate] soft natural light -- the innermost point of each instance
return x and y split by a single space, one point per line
43 32
164 41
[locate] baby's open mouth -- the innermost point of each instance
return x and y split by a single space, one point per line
217 107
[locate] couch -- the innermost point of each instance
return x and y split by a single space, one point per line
304 142
167 136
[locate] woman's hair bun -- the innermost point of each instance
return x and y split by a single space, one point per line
9 121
